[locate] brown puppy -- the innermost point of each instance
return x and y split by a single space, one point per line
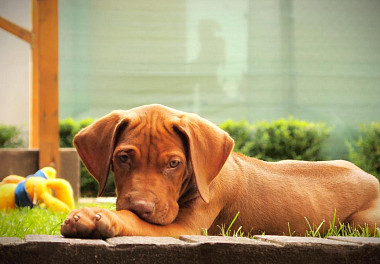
175 174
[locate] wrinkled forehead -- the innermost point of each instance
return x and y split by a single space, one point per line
151 130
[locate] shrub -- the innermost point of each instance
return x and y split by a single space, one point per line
365 151
279 139
88 185
240 131
68 128
10 137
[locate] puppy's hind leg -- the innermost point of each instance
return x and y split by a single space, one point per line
369 216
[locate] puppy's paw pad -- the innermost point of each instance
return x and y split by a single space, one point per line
88 223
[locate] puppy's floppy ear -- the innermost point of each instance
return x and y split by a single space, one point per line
209 148
95 145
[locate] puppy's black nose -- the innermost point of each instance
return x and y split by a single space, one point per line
142 208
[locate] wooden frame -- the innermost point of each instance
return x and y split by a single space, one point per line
44 124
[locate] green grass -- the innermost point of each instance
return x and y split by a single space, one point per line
231 232
25 221
335 228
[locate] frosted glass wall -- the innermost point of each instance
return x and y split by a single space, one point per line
241 59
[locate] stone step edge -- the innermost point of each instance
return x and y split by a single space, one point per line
264 240
43 249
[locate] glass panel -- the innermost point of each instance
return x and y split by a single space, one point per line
241 59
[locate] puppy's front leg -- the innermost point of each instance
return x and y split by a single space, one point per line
103 223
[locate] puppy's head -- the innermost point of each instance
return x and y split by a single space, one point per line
156 153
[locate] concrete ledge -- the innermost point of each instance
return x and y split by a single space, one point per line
24 162
189 249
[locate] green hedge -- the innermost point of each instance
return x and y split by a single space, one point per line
10 137
365 151
88 186
278 140
68 128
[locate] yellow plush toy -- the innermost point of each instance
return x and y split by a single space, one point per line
36 189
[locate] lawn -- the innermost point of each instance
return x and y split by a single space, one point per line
323 230
25 221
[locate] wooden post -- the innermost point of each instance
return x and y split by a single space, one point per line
34 134
44 119
44 124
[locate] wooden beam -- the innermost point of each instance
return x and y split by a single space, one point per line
34 138
44 119
16 30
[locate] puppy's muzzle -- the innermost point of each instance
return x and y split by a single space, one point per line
144 209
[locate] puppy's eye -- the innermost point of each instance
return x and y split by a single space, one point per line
174 163
123 158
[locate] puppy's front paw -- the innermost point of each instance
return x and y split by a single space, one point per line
90 223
